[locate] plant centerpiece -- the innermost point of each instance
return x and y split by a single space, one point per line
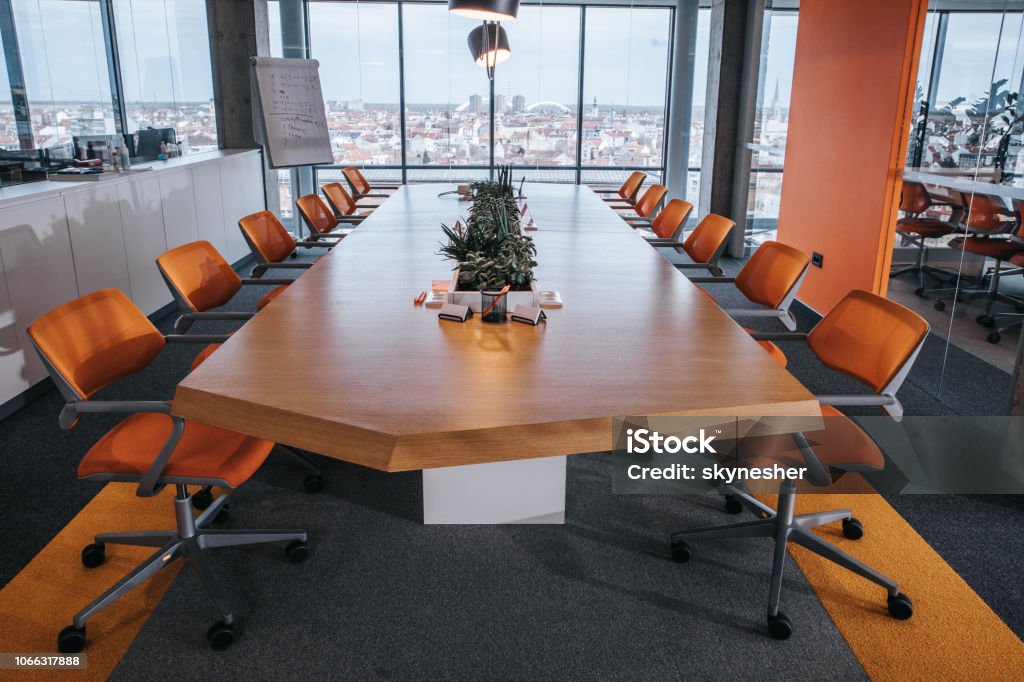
490 249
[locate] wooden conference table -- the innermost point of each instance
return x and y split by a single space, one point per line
344 365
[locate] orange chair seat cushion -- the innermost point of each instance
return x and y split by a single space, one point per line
926 227
1000 249
204 452
274 293
841 444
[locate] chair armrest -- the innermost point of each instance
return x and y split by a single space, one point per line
220 315
287 266
266 280
69 414
711 280
197 338
692 266
319 244
859 400
779 336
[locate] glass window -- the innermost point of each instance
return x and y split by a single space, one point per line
625 72
770 126
447 96
357 46
64 60
8 125
274 25
166 74
537 88
702 47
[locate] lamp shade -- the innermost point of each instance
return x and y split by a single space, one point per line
485 10
497 48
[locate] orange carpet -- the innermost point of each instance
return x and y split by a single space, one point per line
43 597
953 634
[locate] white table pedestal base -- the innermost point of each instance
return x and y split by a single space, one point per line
518 491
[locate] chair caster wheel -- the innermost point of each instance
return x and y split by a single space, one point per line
681 552
994 337
94 555
297 551
732 505
220 636
853 529
940 306
779 626
986 321
202 499
71 640
313 483
223 514
919 292
900 606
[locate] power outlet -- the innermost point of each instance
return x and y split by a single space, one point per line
816 259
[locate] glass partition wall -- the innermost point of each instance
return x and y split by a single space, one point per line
958 247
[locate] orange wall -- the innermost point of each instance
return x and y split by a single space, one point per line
853 89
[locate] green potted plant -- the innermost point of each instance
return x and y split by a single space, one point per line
490 249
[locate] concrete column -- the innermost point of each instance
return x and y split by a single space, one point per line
734 56
238 31
677 144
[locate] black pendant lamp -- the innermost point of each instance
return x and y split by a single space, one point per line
488 43
485 10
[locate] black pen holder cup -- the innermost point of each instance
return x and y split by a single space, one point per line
495 305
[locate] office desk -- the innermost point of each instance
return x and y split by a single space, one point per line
343 364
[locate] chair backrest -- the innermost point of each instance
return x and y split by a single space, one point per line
198 276
339 198
267 238
668 224
708 239
317 215
1018 215
982 212
94 340
632 185
356 179
868 337
650 200
914 198
772 273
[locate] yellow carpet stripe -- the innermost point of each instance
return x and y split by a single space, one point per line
953 635
44 596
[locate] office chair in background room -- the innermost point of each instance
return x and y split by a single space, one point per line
320 219
271 244
345 209
771 278
200 279
988 223
916 228
874 341
626 193
90 343
361 187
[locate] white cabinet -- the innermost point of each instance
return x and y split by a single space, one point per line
242 194
179 207
39 274
209 209
11 380
97 241
142 219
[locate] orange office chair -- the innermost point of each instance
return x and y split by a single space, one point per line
874 341
626 193
90 343
915 228
988 223
345 208
319 218
706 243
271 245
771 278
646 206
361 187
773 350
667 226
200 279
